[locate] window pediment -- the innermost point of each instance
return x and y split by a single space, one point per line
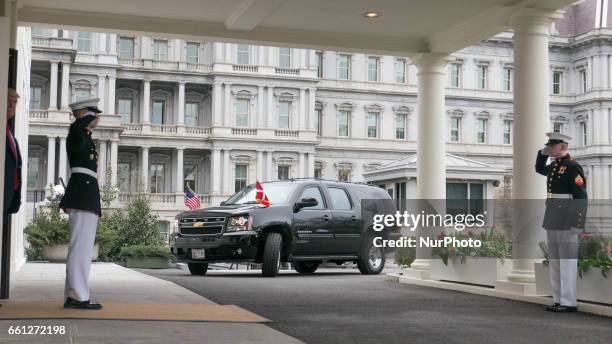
404 110
242 159
456 113
286 97
346 165
482 115
346 106
374 108
243 94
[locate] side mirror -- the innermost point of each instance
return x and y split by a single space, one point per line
222 203
305 202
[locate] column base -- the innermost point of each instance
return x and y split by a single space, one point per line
516 287
415 274
420 264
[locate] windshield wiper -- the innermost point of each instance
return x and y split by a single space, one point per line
250 202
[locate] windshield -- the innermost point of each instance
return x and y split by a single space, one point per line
278 193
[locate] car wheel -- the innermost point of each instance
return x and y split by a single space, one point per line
272 253
198 269
306 267
372 259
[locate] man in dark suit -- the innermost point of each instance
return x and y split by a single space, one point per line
12 163
82 202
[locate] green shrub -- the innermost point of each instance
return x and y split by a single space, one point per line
143 251
594 251
405 256
495 244
140 226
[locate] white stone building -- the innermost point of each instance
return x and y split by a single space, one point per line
217 116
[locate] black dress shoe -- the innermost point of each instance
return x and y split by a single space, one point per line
566 309
72 303
553 307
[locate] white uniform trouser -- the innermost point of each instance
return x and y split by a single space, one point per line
563 265
83 226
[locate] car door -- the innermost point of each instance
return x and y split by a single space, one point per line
312 224
346 220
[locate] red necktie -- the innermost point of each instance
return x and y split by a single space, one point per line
13 146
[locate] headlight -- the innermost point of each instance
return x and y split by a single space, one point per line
239 223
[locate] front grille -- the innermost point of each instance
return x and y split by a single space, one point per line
202 225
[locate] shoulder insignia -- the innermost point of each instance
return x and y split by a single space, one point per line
578 180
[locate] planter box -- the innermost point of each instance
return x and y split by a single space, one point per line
475 270
59 253
593 286
147 262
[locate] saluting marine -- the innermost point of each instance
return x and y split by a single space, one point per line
564 219
82 202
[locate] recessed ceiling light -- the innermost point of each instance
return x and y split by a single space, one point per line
372 14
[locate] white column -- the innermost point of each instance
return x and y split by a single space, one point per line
113 44
146 101
431 150
102 162
301 165
216 104
215 166
181 104
50 161
269 166
531 122
270 121
301 123
65 86
179 170
311 165
144 171
226 173
227 112
260 165
53 86
260 105
113 160
102 93
62 160
112 85
311 109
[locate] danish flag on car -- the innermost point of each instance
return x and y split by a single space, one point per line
260 196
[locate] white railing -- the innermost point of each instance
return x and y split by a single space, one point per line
137 127
164 64
42 114
197 130
198 67
126 197
163 128
289 71
287 133
244 131
52 42
245 68
130 62
204 199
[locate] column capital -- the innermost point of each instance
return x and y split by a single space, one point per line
180 149
425 61
533 20
51 137
182 82
54 62
227 83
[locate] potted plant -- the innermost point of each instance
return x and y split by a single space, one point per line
475 265
146 256
594 264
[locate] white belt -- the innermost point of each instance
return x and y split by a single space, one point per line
84 170
557 195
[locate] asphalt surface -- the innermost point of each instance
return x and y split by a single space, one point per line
340 306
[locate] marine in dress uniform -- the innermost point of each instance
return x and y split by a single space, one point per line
564 219
82 202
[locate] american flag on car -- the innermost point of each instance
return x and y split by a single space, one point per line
192 201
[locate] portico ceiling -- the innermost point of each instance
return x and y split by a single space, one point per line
404 27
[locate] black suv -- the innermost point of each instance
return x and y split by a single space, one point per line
309 221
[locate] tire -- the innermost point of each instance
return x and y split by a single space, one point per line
270 263
305 267
372 259
198 269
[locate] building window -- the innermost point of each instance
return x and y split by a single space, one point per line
557 82
318 172
82 94
33 172
481 135
156 173
284 112
507 79
124 108
455 129
373 63
37 31
400 71
126 48
319 63
455 75
242 54
159 112
284 57
242 113
482 77
558 127
583 131
507 131
160 50
344 122
583 80
190 180
400 126
372 125
344 175
464 198
124 176
84 42
192 53
344 67
35 98
240 178
191 114
319 121
283 172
